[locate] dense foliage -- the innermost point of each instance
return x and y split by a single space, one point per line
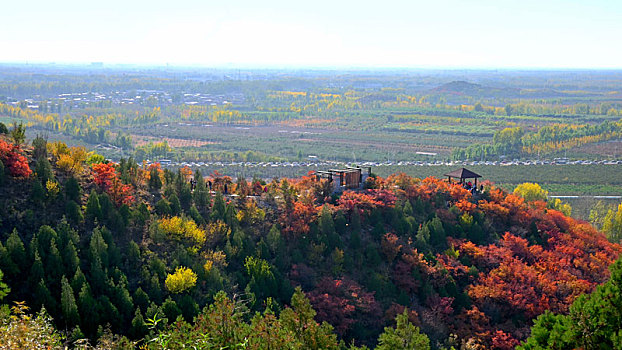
143 250
594 320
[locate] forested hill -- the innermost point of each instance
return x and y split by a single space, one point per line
133 248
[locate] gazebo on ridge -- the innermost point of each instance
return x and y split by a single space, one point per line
462 174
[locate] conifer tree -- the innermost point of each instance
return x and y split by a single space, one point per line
274 240
163 207
88 310
133 256
231 217
70 259
72 189
93 208
155 289
141 215
218 209
97 274
138 329
340 223
185 197
121 297
189 308
201 194
405 336
73 212
68 304
171 310
195 215
42 241
175 205
37 272
326 223
4 288
66 234
53 265
43 298
37 193
15 249
299 319
78 279
43 170
98 247
141 299
155 183
6 263
108 313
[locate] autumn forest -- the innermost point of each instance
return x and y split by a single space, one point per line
181 208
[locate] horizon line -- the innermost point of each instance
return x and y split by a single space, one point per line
311 67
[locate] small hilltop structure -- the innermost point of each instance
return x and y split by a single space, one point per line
346 178
463 175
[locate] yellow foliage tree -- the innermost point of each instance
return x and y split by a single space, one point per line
531 192
52 188
57 148
71 160
182 227
182 280
558 205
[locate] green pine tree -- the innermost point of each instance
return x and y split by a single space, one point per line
88 310
138 329
68 304
43 298
4 288
405 336
93 208
218 209
73 190
15 249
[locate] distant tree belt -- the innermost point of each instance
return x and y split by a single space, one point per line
443 132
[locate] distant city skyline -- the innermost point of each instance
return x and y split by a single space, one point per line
343 34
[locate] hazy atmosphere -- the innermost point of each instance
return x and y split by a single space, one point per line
446 33
319 175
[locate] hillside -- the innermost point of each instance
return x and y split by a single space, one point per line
100 244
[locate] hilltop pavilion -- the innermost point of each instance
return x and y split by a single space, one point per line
463 174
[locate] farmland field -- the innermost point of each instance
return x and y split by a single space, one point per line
287 124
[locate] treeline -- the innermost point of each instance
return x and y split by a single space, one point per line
161 150
608 220
516 142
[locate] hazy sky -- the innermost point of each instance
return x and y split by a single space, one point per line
388 33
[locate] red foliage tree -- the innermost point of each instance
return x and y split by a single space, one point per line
504 341
106 177
295 222
343 302
366 201
397 309
12 158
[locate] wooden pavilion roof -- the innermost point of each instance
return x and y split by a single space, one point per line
463 173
